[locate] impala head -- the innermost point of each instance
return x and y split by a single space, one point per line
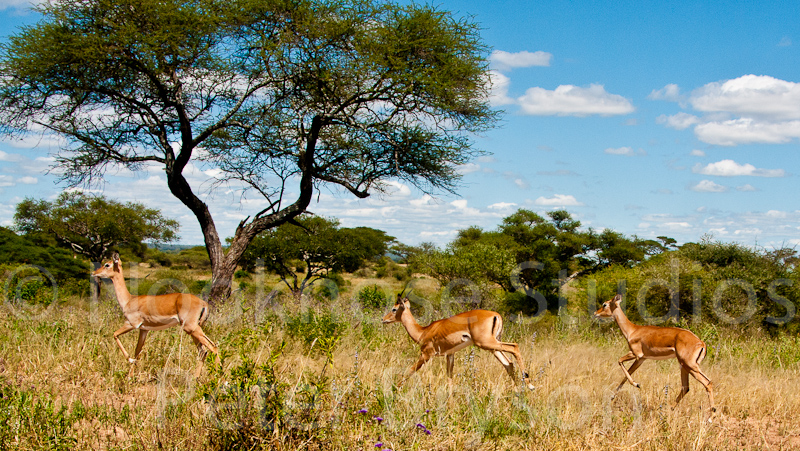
608 307
109 268
394 315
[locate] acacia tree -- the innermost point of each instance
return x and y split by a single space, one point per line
91 225
319 244
282 96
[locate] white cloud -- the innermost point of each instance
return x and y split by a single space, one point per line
730 168
750 96
424 200
746 188
558 200
679 121
670 92
707 186
626 151
746 131
502 60
697 153
522 184
19 4
502 206
395 188
569 100
468 168
10 157
744 110
498 92
28 180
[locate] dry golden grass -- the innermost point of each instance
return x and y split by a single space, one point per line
66 358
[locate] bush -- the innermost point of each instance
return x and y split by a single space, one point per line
246 403
713 280
311 327
19 250
159 257
194 258
372 298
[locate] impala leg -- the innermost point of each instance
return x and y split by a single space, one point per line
703 379
204 344
121 331
634 367
684 385
140 343
506 364
450 362
424 357
202 340
511 348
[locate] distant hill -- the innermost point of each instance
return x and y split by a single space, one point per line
172 247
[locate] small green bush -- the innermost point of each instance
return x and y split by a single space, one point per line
310 327
372 298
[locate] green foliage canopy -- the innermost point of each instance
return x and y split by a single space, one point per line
531 254
92 225
16 250
317 246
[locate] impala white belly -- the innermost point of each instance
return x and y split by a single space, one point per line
163 323
659 353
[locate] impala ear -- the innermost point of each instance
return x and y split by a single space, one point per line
115 259
617 298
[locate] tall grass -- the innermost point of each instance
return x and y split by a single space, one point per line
324 376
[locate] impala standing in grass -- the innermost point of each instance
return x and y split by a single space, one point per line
653 342
447 336
160 312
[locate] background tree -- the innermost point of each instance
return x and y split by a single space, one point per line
282 95
532 256
311 248
15 250
91 225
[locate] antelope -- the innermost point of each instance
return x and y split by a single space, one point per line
654 342
447 336
147 313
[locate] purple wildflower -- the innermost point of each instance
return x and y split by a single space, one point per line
363 411
378 419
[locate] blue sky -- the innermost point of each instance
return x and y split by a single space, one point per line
649 118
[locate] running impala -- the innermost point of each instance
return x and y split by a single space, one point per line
447 336
147 313
653 342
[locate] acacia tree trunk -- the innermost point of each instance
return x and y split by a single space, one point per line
224 263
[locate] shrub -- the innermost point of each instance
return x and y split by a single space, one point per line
310 327
372 298
246 403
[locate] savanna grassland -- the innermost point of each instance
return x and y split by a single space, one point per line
322 374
